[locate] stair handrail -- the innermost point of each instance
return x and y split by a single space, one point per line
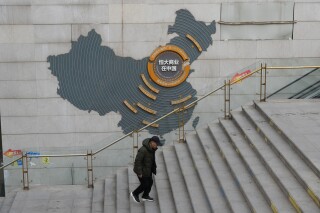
313 87
8 164
164 116
38 156
121 138
179 109
223 87
173 111
246 76
133 131
298 79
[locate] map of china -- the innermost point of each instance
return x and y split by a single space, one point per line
92 77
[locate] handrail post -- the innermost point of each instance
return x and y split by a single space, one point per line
135 145
25 174
227 99
263 82
181 124
90 169
261 68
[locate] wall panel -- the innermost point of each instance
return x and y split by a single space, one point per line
34 115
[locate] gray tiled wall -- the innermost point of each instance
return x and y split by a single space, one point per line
32 113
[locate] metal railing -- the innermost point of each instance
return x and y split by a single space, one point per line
89 155
293 82
255 22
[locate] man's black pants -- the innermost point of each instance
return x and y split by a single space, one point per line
145 186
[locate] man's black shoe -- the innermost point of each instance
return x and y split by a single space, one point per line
135 197
147 198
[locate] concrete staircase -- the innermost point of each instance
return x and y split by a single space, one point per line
245 164
265 159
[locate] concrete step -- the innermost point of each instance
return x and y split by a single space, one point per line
280 173
266 185
133 184
287 154
98 197
178 185
206 174
110 195
152 207
228 186
197 194
245 181
271 192
122 191
306 151
164 193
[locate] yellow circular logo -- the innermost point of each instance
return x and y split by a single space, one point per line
168 66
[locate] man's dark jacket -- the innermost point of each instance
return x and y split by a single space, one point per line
145 163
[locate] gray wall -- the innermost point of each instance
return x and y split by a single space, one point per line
35 118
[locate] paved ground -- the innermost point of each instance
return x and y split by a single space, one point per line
49 199
300 121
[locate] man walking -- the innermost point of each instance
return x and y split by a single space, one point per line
144 166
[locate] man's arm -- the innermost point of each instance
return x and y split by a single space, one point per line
138 163
154 167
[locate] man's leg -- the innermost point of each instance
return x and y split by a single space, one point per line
147 189
141 187
138 190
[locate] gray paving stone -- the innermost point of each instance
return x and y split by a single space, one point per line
8 201
55 194
31 201
52 204
17 206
